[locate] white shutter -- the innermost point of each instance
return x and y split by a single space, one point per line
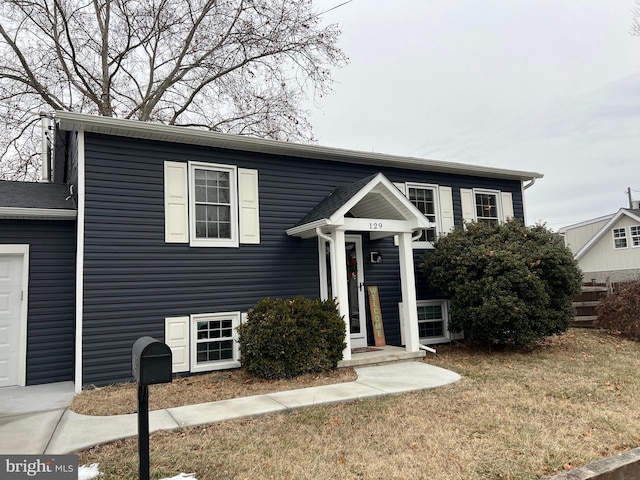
446 209
468 205
176 216
176 336
507 206
249 206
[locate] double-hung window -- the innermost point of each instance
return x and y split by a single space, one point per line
635 235
432 321
213 205
487 207
425 198
483 205
620 237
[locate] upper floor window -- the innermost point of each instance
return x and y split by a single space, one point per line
213 204
425 198
620 237
210 205
487 207
635 235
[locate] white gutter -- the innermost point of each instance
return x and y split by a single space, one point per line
171 133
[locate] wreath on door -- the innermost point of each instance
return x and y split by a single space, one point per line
352 269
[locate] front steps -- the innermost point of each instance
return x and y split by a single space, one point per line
382 355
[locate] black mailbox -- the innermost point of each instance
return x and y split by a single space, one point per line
151 361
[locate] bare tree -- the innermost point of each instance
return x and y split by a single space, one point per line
239 66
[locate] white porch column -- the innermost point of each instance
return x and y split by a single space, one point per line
408 285
339 266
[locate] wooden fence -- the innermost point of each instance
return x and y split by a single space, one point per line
587 300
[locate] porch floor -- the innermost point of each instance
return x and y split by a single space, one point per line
381 356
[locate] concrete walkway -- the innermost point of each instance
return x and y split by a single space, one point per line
36 420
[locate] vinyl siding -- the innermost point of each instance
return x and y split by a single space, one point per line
51 308
576 238
134 280
603 257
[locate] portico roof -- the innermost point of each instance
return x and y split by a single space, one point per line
375 199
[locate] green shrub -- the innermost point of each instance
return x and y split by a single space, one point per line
620 313
285 338
508 284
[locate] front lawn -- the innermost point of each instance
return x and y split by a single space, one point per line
514 415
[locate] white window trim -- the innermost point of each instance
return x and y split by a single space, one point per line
436 206
499 209
445 318
631 236
626 238
432 340
220 364
233 197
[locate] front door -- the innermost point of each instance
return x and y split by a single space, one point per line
10 319
355 284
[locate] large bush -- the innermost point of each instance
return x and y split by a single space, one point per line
285 338
620 312
508 284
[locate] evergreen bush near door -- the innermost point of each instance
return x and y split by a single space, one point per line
284 338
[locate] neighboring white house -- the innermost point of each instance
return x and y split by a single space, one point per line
607 246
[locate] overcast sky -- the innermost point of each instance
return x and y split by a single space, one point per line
551 86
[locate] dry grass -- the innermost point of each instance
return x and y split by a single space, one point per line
122 398
513 416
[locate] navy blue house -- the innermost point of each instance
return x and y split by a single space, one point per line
144 229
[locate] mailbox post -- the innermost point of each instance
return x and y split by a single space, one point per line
150 364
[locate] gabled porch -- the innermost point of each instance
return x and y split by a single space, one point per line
375 207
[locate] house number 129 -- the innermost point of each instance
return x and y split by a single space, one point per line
375 225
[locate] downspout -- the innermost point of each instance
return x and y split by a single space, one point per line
323 235
524 204
332 246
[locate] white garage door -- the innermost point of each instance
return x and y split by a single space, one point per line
11 354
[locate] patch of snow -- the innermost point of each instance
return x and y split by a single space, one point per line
88 473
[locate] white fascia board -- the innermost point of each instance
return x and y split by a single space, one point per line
605 228
303 230
632 215
585 223
69 121
37 213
